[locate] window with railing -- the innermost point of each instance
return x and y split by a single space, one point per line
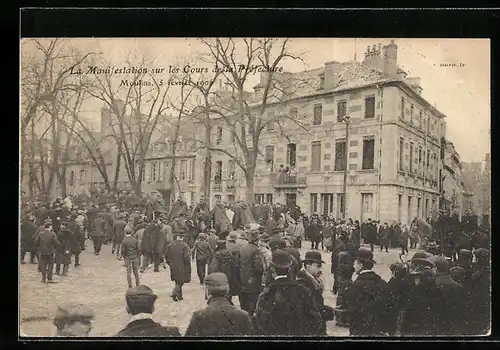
340 155
317 114
341 110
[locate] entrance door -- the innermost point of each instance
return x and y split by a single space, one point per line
327 203
291 200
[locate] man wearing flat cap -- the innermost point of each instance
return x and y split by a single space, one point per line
73 320
220 317
251 270
366 298
140 306
285 307
310 278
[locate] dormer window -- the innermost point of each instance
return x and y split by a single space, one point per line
321 82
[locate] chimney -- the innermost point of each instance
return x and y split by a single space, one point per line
105 118
391 59
415 84
331 75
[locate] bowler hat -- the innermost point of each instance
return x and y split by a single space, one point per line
313 256
281 259
365 254
440 263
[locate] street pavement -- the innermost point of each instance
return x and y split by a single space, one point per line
100 282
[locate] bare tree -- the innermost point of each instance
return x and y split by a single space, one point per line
144 93
243 112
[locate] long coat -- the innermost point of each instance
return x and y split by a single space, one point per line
369 232
251 268
219 318
63 255
178 257
287 308
148 328
314 232
77 238
108 225
366 300
450 298
119 231
226 262
98 226
28 232
384 235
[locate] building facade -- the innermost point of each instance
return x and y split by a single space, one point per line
453 188
392 151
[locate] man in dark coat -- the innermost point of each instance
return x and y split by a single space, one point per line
384 237
341 245
118 235
450 298
286 307
63 251
108 219
220 317
179 207
310 277
369 233
28 232
251 269
226 262
203 254
140 306
178 258
97 234
481 293
47 243
366 298
77 240
315 232
91 214
158 243
295 268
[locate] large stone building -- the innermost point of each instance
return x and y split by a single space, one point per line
477 180
393 150
453 187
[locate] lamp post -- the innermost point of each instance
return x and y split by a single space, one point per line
346 120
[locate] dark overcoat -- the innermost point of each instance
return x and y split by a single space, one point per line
178 257
63 253
219 318
226 262
251 268
287 308
148 328
28 232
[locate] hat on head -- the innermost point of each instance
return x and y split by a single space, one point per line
212 230
313 256
201 235
420 260
217 283
482 254
252 235
140 292
281 259
233 236
457 272
465 253
264 238
76 312
365 254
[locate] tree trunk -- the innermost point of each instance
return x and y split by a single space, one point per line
249 178
62 182
136 186
207 171
117 170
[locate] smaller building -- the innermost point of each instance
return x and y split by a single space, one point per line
452 194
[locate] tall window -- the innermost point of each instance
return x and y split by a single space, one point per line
231 167
370 107
426 207
183 169
411 113
153 171
318 114
71 178
314 203
368 153
270 157
409 210
340 155
259 198
402 108
400 205
418 207
367 199
269 198
167 165
218 172
340 205
316 156
401 153
428 158
322 82
411 157
420 120
193 170
83 176
341 110
219 136
428 120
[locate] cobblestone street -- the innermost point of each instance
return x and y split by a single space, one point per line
100 282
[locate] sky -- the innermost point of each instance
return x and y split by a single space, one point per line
462 93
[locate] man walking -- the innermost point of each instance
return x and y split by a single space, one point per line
97 234
47 242
178 258
251 270
203 254
118 235
131 253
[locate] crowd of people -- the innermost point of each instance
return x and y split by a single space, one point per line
252 253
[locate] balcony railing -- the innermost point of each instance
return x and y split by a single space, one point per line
284 180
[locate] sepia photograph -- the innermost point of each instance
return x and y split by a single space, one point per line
254 187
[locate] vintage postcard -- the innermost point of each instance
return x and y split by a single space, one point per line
214 187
